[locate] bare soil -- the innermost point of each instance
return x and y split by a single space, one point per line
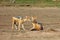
50 18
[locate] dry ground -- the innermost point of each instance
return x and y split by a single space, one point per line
50 18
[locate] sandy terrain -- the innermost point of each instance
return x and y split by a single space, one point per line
50 18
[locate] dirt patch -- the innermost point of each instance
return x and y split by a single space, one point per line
50 18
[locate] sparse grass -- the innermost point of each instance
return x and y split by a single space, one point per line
38 3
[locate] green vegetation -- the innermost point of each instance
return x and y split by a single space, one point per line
38 3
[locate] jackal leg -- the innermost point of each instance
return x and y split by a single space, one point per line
16 27
19 26
23 27
32 27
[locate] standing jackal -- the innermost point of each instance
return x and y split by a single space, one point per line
17 22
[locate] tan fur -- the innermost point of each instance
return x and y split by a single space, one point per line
27 18
19 22
35 24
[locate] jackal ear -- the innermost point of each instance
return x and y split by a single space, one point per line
27 16
34 17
